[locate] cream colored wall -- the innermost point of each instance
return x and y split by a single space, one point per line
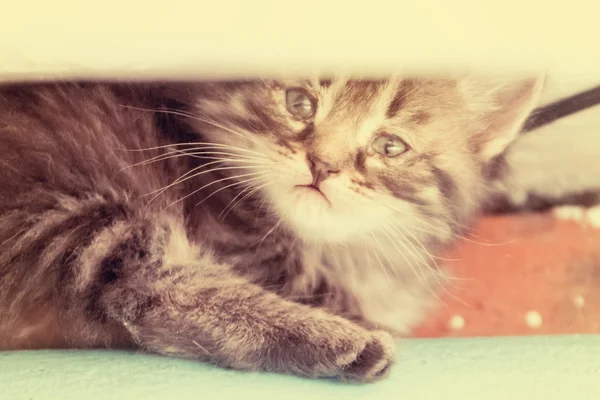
237 37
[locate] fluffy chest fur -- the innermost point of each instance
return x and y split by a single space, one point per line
386 281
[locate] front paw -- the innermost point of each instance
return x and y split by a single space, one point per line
341 349
373 362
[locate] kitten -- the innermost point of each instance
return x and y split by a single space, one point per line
274 225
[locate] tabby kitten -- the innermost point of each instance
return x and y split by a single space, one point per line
274 225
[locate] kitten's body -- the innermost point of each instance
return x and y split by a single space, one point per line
217 267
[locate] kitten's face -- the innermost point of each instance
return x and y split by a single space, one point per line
338 158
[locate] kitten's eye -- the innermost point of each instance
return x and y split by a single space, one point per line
300 104
389 146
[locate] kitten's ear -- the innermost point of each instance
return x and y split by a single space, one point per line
501 109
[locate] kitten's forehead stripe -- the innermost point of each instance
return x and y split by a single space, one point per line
361 91
360 162
421 117
356 99
400 98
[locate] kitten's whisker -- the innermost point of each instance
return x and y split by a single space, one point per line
192 144
397 229
182 178
198 118
269 206
421 274
467 228
274 228
381 265
404 241
160 157
262 203
417 271
198 152
210 183
420 256
210 156
228 152
440 229
267 234
262 175
247 188
437 269
297 297
250 193
222 188
195 154
192 174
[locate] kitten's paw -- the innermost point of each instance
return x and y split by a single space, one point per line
373 362
341 349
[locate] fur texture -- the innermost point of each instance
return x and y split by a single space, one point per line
208 221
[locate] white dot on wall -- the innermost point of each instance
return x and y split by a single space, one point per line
533 319
593 216
569 213
579 301
456 323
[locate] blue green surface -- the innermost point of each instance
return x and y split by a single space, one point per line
556 367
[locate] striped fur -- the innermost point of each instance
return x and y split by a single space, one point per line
115 232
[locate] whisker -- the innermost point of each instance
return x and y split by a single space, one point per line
224 187
401 241
432 257
267 234
231 185
197 118
209 156
182 178
382 267
192 174
250 193
160 157
230 152
195 154
420 274
398 230
247 188
207 144
269 207
208 184
438 229
436 274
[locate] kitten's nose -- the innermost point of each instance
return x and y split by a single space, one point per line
320 170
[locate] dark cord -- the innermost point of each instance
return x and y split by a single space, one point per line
570 105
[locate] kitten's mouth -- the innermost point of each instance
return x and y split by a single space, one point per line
314 189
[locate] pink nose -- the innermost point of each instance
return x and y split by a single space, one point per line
320 170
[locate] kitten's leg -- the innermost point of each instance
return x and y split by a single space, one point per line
175 300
